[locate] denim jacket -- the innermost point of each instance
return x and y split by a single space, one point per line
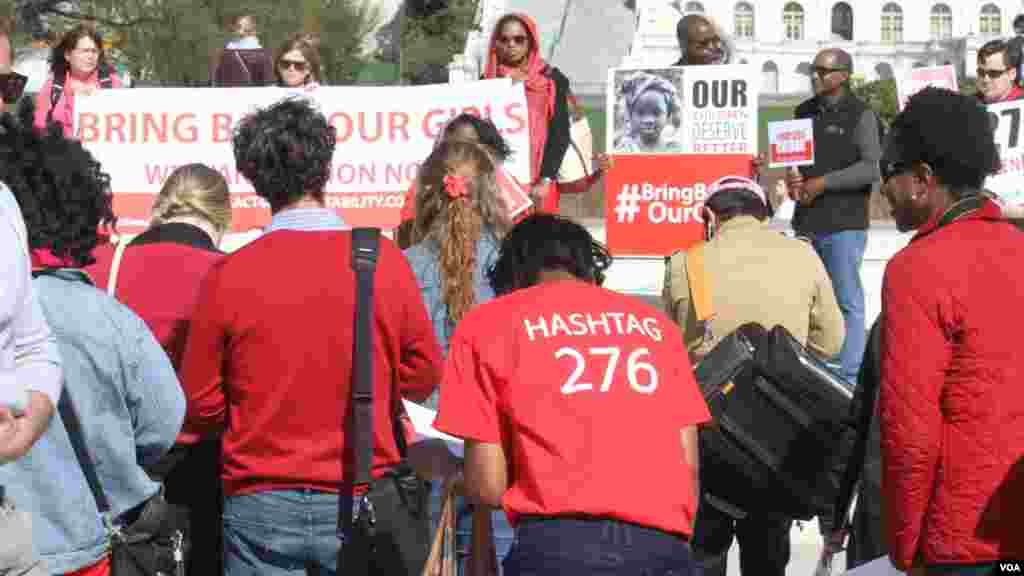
423 260
131 406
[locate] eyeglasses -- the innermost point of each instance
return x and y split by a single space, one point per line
892 169
518 40
821 71
293 64
991 74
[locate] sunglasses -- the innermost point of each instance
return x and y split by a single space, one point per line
293 64
821 71
518 40
992 74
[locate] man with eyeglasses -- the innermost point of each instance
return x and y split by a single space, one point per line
998 63
832 194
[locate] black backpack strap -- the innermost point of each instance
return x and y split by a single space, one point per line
358 523
105 77
56 91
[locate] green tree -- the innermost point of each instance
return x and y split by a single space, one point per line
428 43
880 95
172 42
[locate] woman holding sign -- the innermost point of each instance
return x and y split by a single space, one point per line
515 53
78 67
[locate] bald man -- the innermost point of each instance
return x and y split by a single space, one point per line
833 194
700 42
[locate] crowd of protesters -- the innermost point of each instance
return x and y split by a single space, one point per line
222 384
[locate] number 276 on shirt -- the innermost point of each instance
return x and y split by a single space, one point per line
641 375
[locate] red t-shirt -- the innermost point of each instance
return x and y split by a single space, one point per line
587 392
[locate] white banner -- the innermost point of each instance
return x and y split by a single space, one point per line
383 133
917 79
1009 182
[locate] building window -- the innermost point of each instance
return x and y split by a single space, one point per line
941 22
770 77
892 23
744 20
991 21
842 21
694 7
793 21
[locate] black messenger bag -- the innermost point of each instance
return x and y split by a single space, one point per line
779 433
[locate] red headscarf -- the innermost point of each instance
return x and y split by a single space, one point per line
540 90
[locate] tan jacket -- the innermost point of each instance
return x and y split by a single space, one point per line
758 275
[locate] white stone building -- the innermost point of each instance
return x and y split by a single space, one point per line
885 37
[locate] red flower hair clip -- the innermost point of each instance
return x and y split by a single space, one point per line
456 186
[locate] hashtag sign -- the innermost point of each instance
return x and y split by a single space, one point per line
627 204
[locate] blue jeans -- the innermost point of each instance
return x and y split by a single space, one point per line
842 254
281 533
566 546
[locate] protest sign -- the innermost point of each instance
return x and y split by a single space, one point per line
1008 183
382 133
917 79
674 132
791 143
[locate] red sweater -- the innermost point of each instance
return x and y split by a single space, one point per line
159 280
269 359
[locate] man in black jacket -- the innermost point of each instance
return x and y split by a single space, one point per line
834 192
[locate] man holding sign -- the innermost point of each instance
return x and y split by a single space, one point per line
832 194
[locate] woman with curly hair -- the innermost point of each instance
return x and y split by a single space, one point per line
116 376
78 65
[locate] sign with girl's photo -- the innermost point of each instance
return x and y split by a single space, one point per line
673 131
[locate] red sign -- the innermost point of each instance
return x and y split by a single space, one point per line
783 152
653 203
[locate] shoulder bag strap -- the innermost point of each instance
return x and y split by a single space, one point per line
365 243
73 425
700 293
115 267
245 67
56 91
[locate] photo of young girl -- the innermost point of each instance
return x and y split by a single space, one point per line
648 118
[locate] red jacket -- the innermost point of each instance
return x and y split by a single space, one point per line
269 359
952 393
159 280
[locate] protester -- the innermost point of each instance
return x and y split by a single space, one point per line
653 116
158 275
745 265
120 382
78 67
29 387
514 52
514 388
269 363
833 193
297 64
243 61
950 404
701 42
997 74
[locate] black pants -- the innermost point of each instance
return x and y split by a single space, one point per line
192 481
764 542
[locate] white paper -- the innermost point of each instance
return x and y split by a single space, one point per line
880 567
423 422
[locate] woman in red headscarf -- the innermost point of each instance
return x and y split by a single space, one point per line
514 53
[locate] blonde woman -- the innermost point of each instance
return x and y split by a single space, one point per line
157 275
